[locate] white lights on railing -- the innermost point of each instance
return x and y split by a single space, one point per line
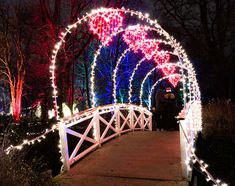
193 110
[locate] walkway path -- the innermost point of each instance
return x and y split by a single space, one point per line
138 158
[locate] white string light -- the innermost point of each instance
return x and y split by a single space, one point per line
155 84
32 141
191 80
115 74
203 166
131 79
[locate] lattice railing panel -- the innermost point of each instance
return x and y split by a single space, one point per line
86 131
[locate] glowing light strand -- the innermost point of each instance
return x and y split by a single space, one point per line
104 24
157 82
151 71
131 79
115 74
32 141
203 166
92 79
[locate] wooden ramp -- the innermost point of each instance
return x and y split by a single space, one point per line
137 158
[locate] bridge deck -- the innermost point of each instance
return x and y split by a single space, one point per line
138 158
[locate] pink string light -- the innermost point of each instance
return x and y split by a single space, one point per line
134 37
160 59
149 48
104 24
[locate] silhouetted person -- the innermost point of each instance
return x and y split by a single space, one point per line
154 122
159 99
170 110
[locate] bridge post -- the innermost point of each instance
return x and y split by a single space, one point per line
97 127
183 144
142 119
150 123
132 118
118 121
64 146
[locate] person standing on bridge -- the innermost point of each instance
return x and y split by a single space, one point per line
159 107
170 110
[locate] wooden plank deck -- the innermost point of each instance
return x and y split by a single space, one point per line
136 158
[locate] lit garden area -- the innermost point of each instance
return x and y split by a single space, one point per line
75 74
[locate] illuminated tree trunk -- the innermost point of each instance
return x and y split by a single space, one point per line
15 81
16 95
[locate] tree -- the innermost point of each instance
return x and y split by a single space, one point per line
15 37
206 28
52 18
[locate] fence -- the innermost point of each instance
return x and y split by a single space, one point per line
190 124
89 129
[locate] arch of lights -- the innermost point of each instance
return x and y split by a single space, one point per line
130 28
190 70
184 62
156 83
172 42
194 92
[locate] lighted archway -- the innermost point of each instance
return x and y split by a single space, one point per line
153 23
193 107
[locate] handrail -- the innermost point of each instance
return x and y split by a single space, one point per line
133 117
190 124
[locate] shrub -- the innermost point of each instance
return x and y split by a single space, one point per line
15 171
217 145
219 119
19 167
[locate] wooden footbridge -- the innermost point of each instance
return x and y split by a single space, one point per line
137 158
127 151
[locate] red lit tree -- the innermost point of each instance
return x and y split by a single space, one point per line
15 37
50 20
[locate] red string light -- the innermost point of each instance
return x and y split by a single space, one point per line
161 57
149 48
174 80
134 37
104 24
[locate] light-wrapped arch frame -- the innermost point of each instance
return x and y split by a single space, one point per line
178 49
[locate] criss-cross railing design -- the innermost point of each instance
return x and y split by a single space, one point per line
87 130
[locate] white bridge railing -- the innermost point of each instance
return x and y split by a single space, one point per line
87 130
190 125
